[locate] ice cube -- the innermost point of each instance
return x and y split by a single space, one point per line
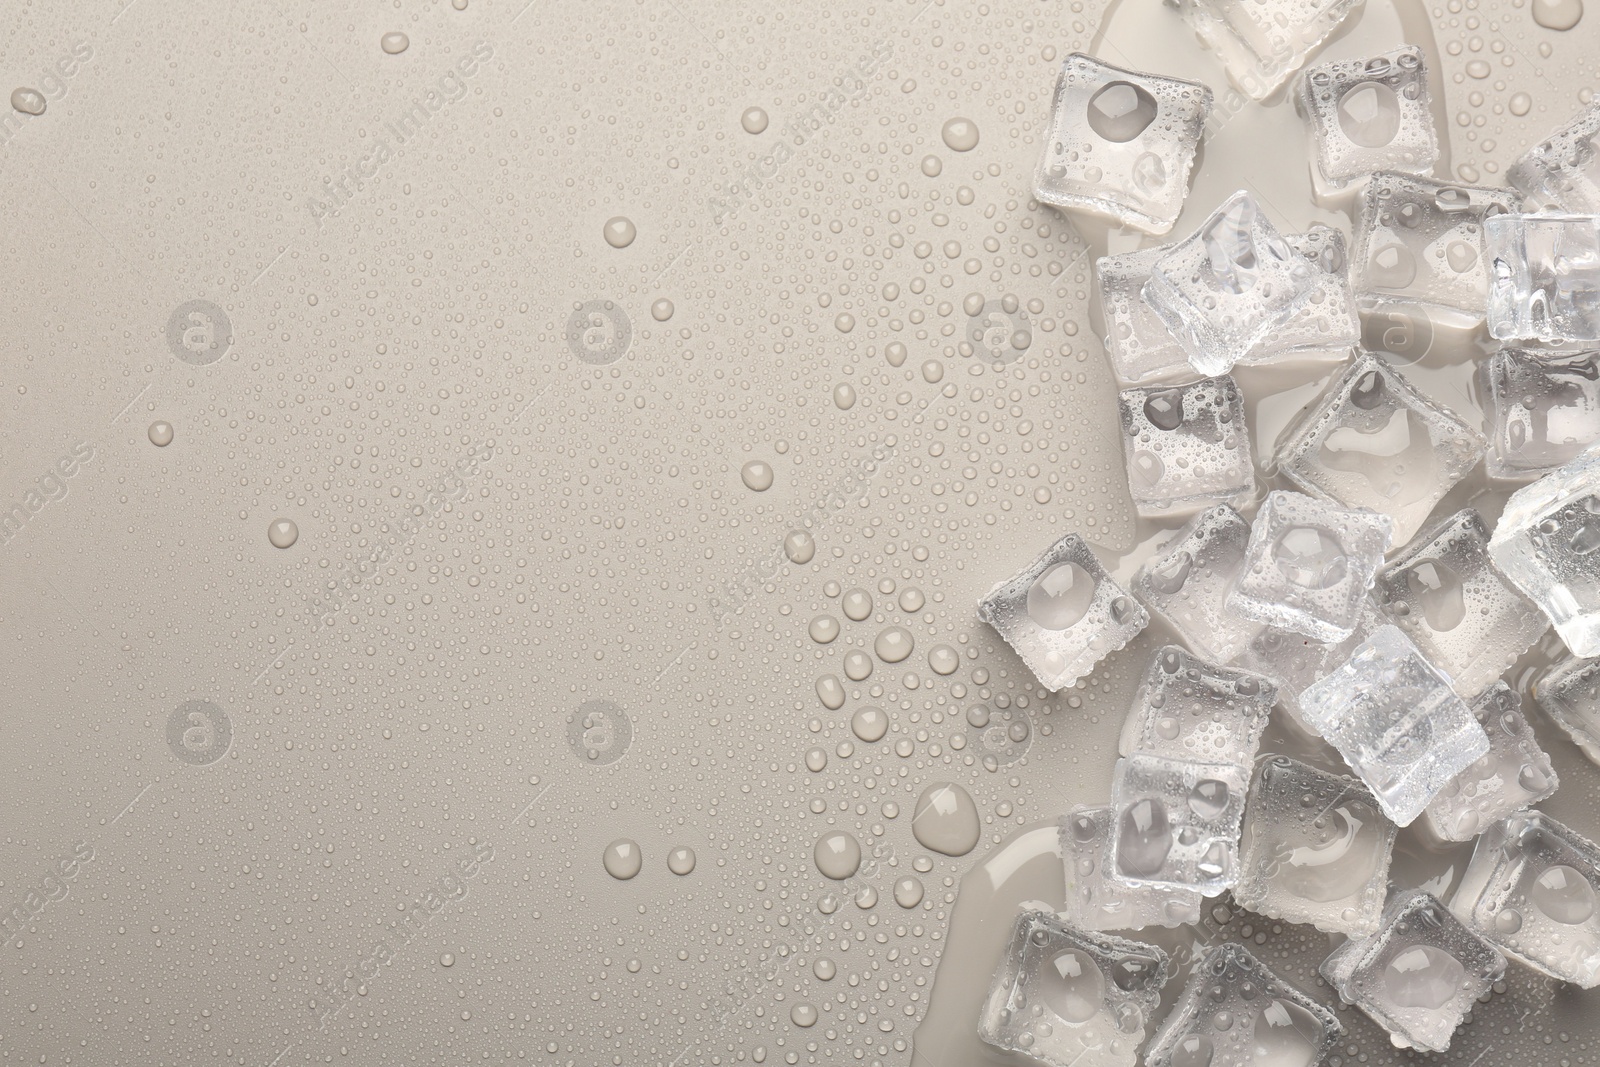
1187 708
1447 595
1516 772
1315 849
1569 692
1530 890
1176 822
1261 45
1397 723
1186 445
1546 542
1544 277
1293 661
1421 242
1096 901
1223 291
1419 975
1063 613
1121 143
1372 441
1234 1012
1309 565
1370 114
1069 998
1137 342
1186 583
1564 171
1327 325
1543 408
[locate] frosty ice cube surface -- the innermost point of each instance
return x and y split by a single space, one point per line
1095 900
1530 890
1176 822
1315 848
1186 446
1063 613
1370 114
1418 975
1136 340
1446 593
1514 774
1327 325
1225 289
1186 583
1397 723
1235 1012
1419 241
1569 692
1309 565
1261 45
1544 277
1543 408
1070 998
1187 708
1120 143
1372 441
1563 171
1546 542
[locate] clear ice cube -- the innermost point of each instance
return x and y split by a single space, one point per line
1309 565
1370 114
1418 975
1121 143
1419 241
1543 408
1544 277
1176 822
1315 848
1261 45
1394 718
1186 583
1095 900
1063 613
1327 325
1186 445
1187 708
1563 171
1293 661
1137 342
1569 692
1224 290
1372 441
1546 542
1530 890
1069 998
1445 592
1515 774
1235 1012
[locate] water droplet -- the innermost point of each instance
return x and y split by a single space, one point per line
1520 104
943 660
837 854
1285 1035
1460 256
824 969
945 820
908 892
1310 557
1144 838
931 166
394 42
857 605
1439 591
803 1015
622 859
799 546
754 120
756 475
1423 976
620 231
1209 798
1072 986
283 533
1196 1050
1121 111
869 724
161 435
1392 266
1164 409
844 396
1557 14
680 861
661 310
1564 895
1369 114
1061 596
831 692
823 629
447 960
893 644
961 135
28 101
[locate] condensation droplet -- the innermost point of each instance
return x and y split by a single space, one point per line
394 42
960 134
1557 14
680 861
931 166
661 310
283 533
756 475
161 433
799 546
844 396
622 858
754 120
620 231
28 101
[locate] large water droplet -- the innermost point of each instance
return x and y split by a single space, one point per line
756 475
1557 14
960 135
837 854
394 42
28 101
1164 409
1061 596
283 533
946 820
622 858
1209 798
893 644
1391 266
1423 976
1438 590
1369 114
1285 1035
1121 111
1196 1050
620 232
1144 839
1564 895
1310 557
1333 856
1073 986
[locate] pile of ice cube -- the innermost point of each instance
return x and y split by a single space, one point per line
1335 585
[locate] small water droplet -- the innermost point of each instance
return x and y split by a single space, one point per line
680 861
